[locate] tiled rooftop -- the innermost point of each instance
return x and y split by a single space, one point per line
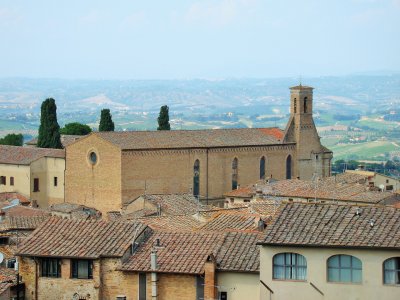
181 252
173 139
23 222
80 238
24 211
333 225
186 252
6 196
343 187
174 204
231 221
171 223
26 155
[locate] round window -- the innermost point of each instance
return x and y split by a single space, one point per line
93 157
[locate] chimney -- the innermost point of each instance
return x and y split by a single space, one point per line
153 263
210 282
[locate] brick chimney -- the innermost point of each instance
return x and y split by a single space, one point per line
210 280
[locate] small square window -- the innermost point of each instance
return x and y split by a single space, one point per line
82 269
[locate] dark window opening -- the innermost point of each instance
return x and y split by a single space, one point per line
51 267
389 187
235 174
11 263
55 181
3 240
196 178
36 184
295 105
11 181
3 180
305 104
199 287
289 167
223 296
82 269
262 168
142 286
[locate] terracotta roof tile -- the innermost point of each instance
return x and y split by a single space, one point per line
180 252
80 238
231 221
23 222
6 196
26 155
171 223
172 139
333 225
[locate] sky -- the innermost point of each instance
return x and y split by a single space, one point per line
183 39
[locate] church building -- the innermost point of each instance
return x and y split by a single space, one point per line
108 170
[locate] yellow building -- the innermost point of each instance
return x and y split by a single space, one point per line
35 173
107 170
328 251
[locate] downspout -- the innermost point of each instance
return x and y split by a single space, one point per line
36 278
153 261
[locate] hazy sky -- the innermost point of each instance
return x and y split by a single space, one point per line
172 39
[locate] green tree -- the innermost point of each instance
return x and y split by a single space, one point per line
12 139
49 130
106 122
75 128
163 119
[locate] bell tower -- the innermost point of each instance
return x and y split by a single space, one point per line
312 159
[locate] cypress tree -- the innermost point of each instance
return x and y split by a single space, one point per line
163 119
49 135
106 122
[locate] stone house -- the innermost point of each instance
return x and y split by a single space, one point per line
35 173
331 251
107 170
77 259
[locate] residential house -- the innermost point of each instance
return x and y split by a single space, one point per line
331 251
35 173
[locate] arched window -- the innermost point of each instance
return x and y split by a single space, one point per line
344 268
290 266
295 105
196 178
234 173
391 271
289 167
305 104
262 167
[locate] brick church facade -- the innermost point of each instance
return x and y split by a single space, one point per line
107 170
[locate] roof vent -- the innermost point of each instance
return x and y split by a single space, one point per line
372 222
358 211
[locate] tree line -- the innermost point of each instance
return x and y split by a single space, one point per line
50 132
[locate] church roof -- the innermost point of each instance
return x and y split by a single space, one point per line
212 138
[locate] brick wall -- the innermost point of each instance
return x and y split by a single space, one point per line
96 185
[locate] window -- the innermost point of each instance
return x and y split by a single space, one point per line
262 167
3 180
387 180
305 104
11 181
295 105
3 240
55 181
142 286
82 269
391 271
196 178
289 167
199 287
11 263
289 266
51 267
93 158
234 173
344 268
36 184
